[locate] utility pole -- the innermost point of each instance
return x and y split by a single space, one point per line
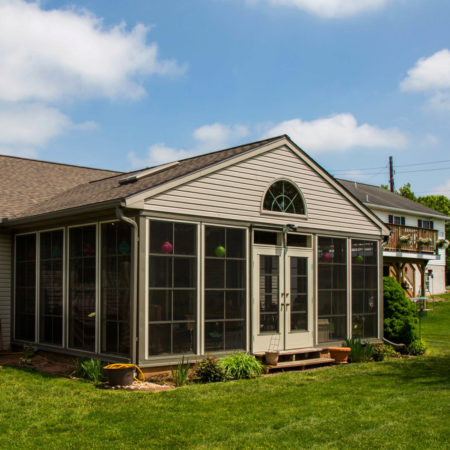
391 174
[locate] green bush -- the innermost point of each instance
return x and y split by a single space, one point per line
417 347
383 351
241 365
360 352
400 315
208 370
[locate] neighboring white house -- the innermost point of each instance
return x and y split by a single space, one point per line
412 254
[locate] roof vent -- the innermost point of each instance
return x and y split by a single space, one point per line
137 176
367 198
356 185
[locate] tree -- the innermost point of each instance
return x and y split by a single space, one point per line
405 191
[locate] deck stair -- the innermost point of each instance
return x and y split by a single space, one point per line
298 359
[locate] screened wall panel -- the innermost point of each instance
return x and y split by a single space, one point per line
225 288
25 287
332 289
364 289
51 286
172 304
115 287
82 287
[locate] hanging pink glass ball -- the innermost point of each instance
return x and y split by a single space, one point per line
326 257
166 247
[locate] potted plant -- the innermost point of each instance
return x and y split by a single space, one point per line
424 241
339 354
405 239
442 243
271 357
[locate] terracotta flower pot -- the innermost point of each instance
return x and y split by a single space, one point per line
271 358
339 354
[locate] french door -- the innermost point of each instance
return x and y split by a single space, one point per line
282 300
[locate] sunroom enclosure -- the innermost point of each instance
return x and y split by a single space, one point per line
203 287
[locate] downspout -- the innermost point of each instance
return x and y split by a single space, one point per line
121 216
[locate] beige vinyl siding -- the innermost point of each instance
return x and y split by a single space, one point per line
236 192
5 288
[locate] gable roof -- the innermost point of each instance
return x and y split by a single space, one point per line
373 196
25 183
112 188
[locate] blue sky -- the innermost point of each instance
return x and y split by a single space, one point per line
123 85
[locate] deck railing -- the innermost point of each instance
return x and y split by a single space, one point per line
399 241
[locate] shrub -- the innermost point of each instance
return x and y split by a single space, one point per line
360 352
417 347
241 365
208 370
400 316
180 375
383 351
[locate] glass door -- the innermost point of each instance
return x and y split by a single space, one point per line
282 299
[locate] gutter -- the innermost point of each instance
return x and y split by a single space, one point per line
121 216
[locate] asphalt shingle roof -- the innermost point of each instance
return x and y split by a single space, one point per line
375 195
25 183
110 189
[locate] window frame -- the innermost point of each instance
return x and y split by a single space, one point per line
267 212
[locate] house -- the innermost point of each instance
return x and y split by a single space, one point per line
415 253
247 248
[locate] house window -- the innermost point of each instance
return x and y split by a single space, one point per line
427 224
51 286
364 289
225 288
115 287
284 197
332 290
25 287
82 287
397 220
172 288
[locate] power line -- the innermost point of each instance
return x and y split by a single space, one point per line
423 170
423 163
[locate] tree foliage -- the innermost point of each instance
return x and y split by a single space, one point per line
400 318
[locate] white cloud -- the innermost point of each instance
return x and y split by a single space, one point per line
429 74
30 124
432 76
330 9
208 138
337 133
25 126
49 55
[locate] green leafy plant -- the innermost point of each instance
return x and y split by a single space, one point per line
90 369
360 352
208 370
180 374
417 347
383 351
241 365
400 316
93 370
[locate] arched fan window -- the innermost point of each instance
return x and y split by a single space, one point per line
284 197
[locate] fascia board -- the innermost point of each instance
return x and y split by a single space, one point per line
407 211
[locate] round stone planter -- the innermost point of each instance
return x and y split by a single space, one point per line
339 354
120 377
271 358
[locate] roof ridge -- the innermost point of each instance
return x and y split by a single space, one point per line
58 163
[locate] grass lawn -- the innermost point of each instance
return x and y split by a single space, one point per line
396 404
